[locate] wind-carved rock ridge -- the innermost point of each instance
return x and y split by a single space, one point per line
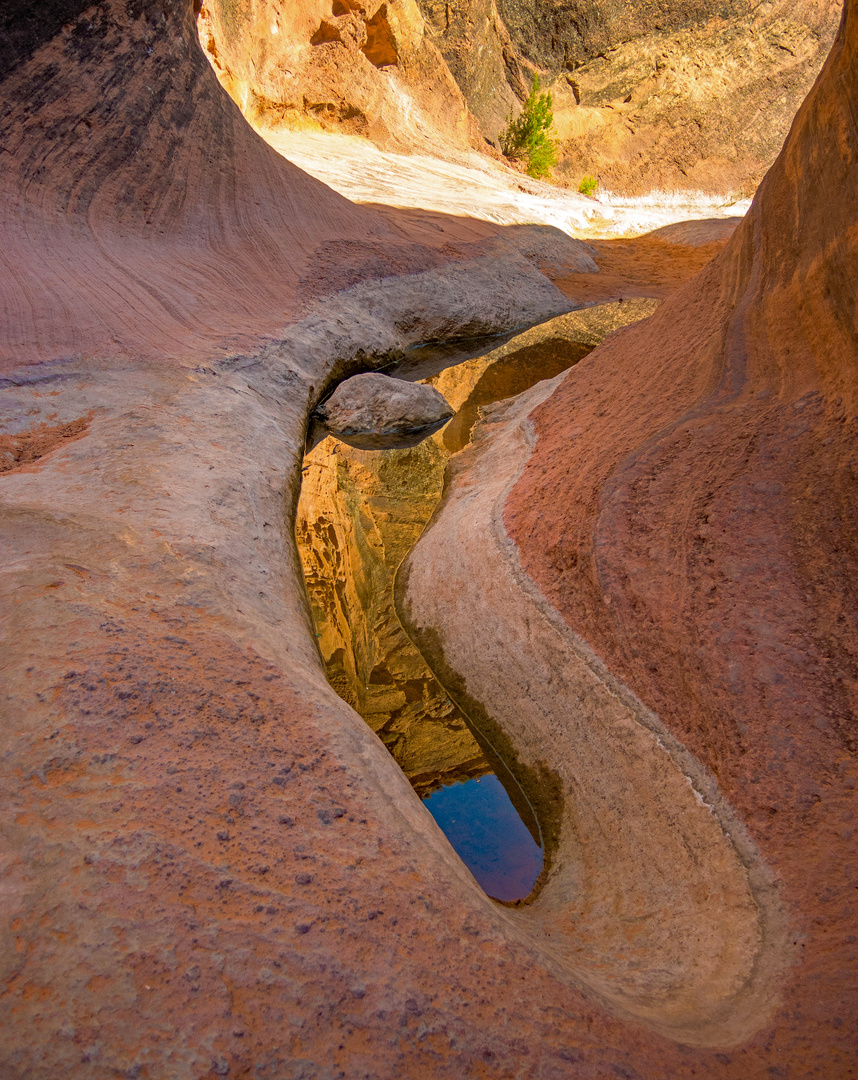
655 898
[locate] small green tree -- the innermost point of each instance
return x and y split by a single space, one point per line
588 185
526 137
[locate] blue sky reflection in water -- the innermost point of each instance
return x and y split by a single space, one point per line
488 835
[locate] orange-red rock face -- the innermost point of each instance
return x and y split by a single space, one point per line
690 509
366 67
210 866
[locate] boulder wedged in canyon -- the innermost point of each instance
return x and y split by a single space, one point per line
360 513
673 546
210 865
372 411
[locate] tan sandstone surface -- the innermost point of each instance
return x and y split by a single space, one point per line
683 95
369 67
210 865
667 544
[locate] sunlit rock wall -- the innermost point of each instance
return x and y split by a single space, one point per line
694 96
363 67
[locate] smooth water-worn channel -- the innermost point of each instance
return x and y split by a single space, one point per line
360 513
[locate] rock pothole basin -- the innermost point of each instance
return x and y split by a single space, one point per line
639 883
361 510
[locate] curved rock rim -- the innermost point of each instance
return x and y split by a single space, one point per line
654 897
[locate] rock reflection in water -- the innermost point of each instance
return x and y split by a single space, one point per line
489 836
359 515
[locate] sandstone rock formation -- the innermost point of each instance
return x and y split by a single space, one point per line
153 222
530 357
367 67
358 516
697 99
670 530
210 864
689 97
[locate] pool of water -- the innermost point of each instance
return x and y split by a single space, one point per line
359 514
487 834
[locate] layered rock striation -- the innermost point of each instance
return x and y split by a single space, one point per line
671 531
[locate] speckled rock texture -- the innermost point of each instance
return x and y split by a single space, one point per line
210 865
679 514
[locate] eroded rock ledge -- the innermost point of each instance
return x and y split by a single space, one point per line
656 897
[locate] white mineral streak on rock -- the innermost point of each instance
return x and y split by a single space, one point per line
478 187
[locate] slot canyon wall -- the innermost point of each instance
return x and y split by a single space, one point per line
210 865
688 96
675 96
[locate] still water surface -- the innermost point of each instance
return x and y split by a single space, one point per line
487 834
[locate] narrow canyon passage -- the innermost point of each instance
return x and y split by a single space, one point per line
359 515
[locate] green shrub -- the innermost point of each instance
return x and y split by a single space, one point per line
526 137
588 185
